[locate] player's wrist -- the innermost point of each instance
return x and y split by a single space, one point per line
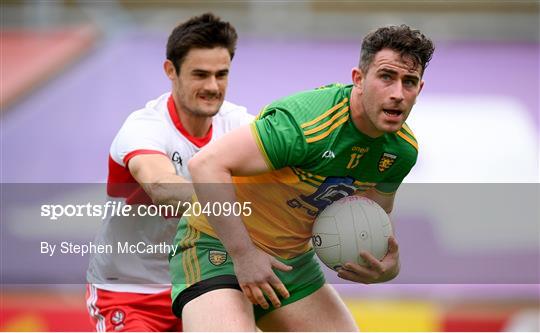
240 249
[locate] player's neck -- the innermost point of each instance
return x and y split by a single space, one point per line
196 126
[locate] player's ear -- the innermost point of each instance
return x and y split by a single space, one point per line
169 69
421 86
357 77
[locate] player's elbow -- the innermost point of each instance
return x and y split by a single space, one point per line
165 193
201 163
156 192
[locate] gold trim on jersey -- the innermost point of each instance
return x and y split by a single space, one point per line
406 138
312 175
190 262
408 130
328 123
307 177
262 112
326 114
258 140
327 133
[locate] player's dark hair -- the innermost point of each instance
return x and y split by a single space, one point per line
410 44
204 32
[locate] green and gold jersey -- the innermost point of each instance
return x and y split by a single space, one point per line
317 156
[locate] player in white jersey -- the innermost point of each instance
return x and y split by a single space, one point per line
148 165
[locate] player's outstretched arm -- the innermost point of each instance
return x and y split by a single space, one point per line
158 178
237 154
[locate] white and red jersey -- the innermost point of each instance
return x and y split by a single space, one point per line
156 129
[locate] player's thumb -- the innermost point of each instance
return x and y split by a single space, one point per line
392 245
281 266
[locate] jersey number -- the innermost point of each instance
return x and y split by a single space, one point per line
355 160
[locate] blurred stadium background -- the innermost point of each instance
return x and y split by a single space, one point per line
71 71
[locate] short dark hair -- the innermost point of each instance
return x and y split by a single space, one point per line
205 32
407 42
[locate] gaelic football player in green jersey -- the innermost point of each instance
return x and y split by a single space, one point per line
236 272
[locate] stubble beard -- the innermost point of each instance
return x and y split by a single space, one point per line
197 112
380 125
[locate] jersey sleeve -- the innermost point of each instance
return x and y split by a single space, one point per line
140 134
279 138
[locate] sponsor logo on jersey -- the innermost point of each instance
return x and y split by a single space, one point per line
361 150
328 154
216 257
386 161
176 158
118 317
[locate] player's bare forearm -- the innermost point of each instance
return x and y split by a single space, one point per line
157 176
170 190
213 183
212 170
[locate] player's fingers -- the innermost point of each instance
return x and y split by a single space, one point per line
280 287
351 276
361 271
269 291
344 274
281 266
368 258
247 291
373 262
259 297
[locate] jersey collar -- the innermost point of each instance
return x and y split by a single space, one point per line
199 142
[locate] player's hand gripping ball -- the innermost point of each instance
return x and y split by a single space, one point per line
347 227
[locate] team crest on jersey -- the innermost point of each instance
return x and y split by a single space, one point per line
216 257
386 161
118 317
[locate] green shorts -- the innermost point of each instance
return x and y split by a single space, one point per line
201 264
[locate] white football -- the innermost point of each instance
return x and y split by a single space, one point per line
347 227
